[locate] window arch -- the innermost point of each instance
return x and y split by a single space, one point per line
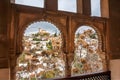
88 56
42 56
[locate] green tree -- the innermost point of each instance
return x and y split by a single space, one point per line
49 45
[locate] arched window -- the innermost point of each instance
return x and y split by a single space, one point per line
42 56
88 57
66 5
34 3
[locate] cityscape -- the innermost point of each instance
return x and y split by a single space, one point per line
43 58
88 56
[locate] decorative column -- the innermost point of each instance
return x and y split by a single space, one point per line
12 44
12 64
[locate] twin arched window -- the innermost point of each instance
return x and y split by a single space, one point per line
43 57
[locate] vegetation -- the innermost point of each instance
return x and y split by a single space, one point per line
49 45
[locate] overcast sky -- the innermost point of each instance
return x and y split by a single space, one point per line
83 28
36 3
34 28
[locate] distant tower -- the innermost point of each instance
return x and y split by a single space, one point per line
39 30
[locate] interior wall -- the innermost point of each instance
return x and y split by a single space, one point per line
3 33
4 74
115 38
114 7
114 67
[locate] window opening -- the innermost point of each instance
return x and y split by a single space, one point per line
67 5
95 8
42 56
88 57
34 3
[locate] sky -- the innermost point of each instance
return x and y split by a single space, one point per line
65 5
84 28
95 7
36 3
34 28
68 5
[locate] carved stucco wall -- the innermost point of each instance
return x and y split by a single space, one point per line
28 19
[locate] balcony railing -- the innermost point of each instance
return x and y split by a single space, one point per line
95 76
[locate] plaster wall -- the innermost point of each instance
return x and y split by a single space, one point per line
115 69
4 74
